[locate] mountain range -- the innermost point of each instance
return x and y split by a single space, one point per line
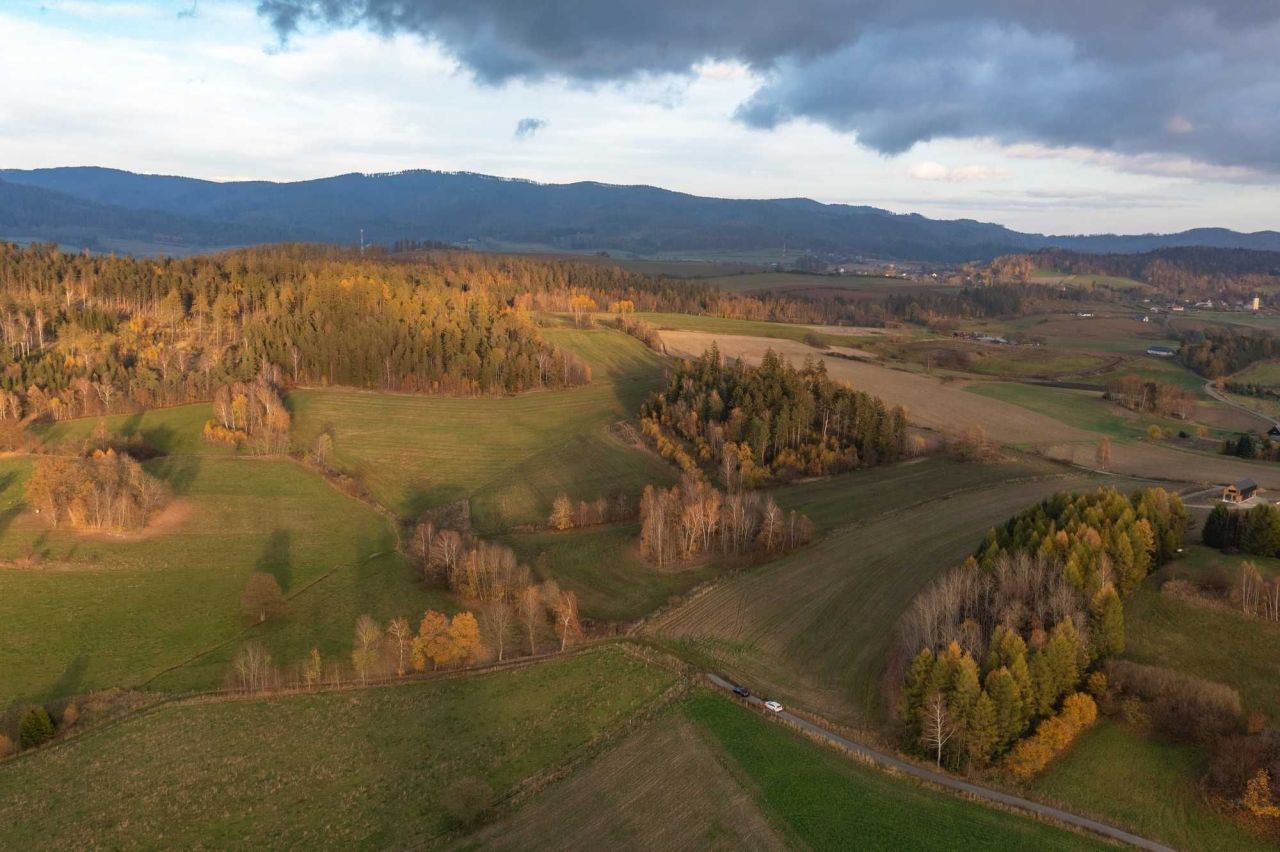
108 209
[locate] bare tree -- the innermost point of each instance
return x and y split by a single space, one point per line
365 653
401 635
937 728
532 614
497 617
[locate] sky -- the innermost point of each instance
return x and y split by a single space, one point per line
1129 116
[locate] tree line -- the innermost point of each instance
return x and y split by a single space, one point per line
1176 271
1001 641
768 422
1215 352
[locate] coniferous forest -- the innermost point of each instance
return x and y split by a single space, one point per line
774 420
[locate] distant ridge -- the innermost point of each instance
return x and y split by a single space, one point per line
97 207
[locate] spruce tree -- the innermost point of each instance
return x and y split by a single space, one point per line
36 728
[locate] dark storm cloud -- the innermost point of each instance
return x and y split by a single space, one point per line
526 127
1188 78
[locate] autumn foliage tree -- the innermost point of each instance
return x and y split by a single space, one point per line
105 491
1006 637
694 519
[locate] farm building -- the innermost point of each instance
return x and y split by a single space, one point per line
1160 351
1239 492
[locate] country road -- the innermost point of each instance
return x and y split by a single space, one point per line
1225 400
942 779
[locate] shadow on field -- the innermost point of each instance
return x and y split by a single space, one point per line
70 682
178 471
277 558
421 497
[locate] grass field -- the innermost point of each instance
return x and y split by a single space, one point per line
101 611
998 360
754 328
1146 785
1217 645
825 800
509 455
815 626
174 431
1053 276
1262 373
367 769
602 566
873 286
1081 409
663 788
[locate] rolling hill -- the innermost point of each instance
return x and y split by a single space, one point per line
87 206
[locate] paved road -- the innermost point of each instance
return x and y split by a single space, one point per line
1225 400
944 780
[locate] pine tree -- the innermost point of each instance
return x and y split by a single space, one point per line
918 684
36 728
1010 715
982 733
1106 623
1062 654
963 694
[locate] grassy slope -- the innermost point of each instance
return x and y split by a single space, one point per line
336 770
663 788
1209 643
1263 373
827 801
1152 785
602 566
816 625
1144 784
511 455
105 611
1081 409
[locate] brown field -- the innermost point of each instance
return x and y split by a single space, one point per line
928 401
663 788
947 407
816 626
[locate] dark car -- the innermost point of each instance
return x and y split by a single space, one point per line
741 691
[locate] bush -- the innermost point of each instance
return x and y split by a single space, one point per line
7 747
36 728
1182 707
467 800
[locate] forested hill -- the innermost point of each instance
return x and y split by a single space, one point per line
494 211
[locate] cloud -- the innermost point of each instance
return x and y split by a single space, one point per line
1192 79
526 127
929 170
